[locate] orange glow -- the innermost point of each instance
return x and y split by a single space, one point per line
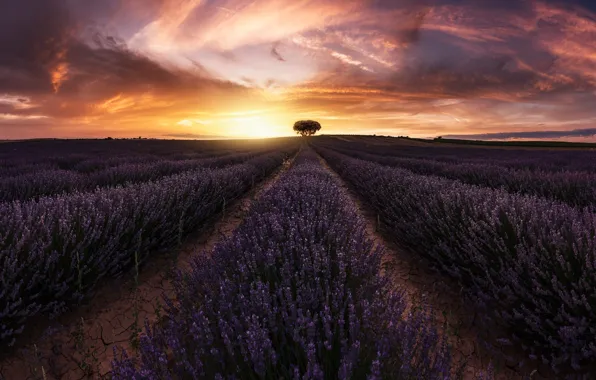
239 68
115 104
59 75
257 127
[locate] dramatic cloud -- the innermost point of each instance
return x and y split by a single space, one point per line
183 68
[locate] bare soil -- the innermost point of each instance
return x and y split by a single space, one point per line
83 347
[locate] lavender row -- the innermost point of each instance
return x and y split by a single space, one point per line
574 188
55 250
51 182
67 153
93 164
86 156
528 263
528 159
295 293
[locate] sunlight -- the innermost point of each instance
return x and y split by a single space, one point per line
256 127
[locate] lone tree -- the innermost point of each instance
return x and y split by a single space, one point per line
307 127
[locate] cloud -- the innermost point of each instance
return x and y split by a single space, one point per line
62 71
457 53
191 24
33 37
427 66
275 52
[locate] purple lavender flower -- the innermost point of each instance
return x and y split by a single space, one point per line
295 293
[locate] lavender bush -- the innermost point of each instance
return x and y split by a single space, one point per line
56 181
577 188
295 293
550 160
55 250
529 263
88 156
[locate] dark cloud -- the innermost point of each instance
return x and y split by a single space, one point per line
33 35
467 78
105 70
275 52
407 29
117 66
67 68
41 38
516 5
588 5
227 55
479 52
410 33
587 132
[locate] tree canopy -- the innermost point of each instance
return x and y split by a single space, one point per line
307 127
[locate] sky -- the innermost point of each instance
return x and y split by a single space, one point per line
494 69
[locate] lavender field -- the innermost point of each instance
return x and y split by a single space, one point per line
71 219
515 229
295 287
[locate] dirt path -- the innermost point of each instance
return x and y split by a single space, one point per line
410 273
83 348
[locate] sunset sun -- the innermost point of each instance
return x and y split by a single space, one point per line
258 127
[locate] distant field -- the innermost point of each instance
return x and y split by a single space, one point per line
538 144
377 140
516 144
387 140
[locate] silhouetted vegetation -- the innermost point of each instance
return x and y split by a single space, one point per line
307 127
